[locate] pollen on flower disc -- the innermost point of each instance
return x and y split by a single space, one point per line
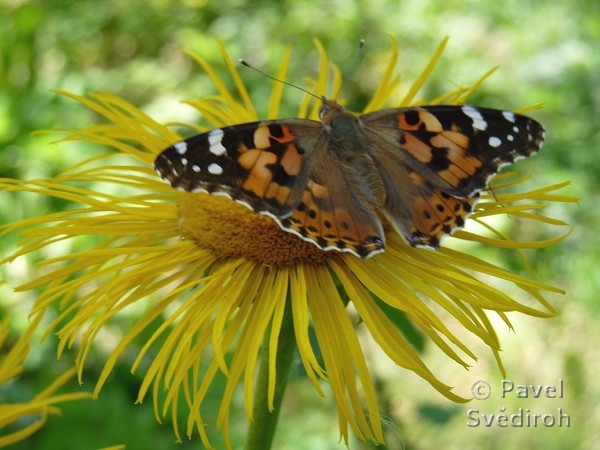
228 229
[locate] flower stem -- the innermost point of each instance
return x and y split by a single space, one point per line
262 428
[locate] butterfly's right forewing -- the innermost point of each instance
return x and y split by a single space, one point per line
434 161
456 148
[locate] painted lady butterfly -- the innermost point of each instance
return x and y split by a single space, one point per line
422 167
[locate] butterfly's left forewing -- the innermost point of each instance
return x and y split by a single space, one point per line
259 164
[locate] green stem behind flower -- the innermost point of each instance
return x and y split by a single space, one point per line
262 428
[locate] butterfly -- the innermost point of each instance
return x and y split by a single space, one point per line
328 182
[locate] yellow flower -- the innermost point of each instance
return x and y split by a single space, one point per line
228 285
11 365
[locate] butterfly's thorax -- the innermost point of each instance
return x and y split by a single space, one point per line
348 143
344 136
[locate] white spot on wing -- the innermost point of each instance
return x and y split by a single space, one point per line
184 161
509 115
510 138
196 168
215 169
214 141
494 141
479 122
181 147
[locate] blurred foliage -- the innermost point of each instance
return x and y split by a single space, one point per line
548 53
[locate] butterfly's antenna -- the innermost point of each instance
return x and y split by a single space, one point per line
353 64
244 63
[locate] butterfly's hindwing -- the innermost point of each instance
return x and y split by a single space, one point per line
333 216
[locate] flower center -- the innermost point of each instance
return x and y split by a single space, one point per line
229 229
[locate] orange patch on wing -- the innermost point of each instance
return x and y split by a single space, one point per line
278 192
263 136
417 178
248 158
442 141
417 148
260 175
317 190
291 160
436 215
427 119
431 121
460 169
282 195
404 125
357 232
287 136
453 175
457 138
271 191
456 145
467 164
425 219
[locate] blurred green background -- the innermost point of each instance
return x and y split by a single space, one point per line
549 53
